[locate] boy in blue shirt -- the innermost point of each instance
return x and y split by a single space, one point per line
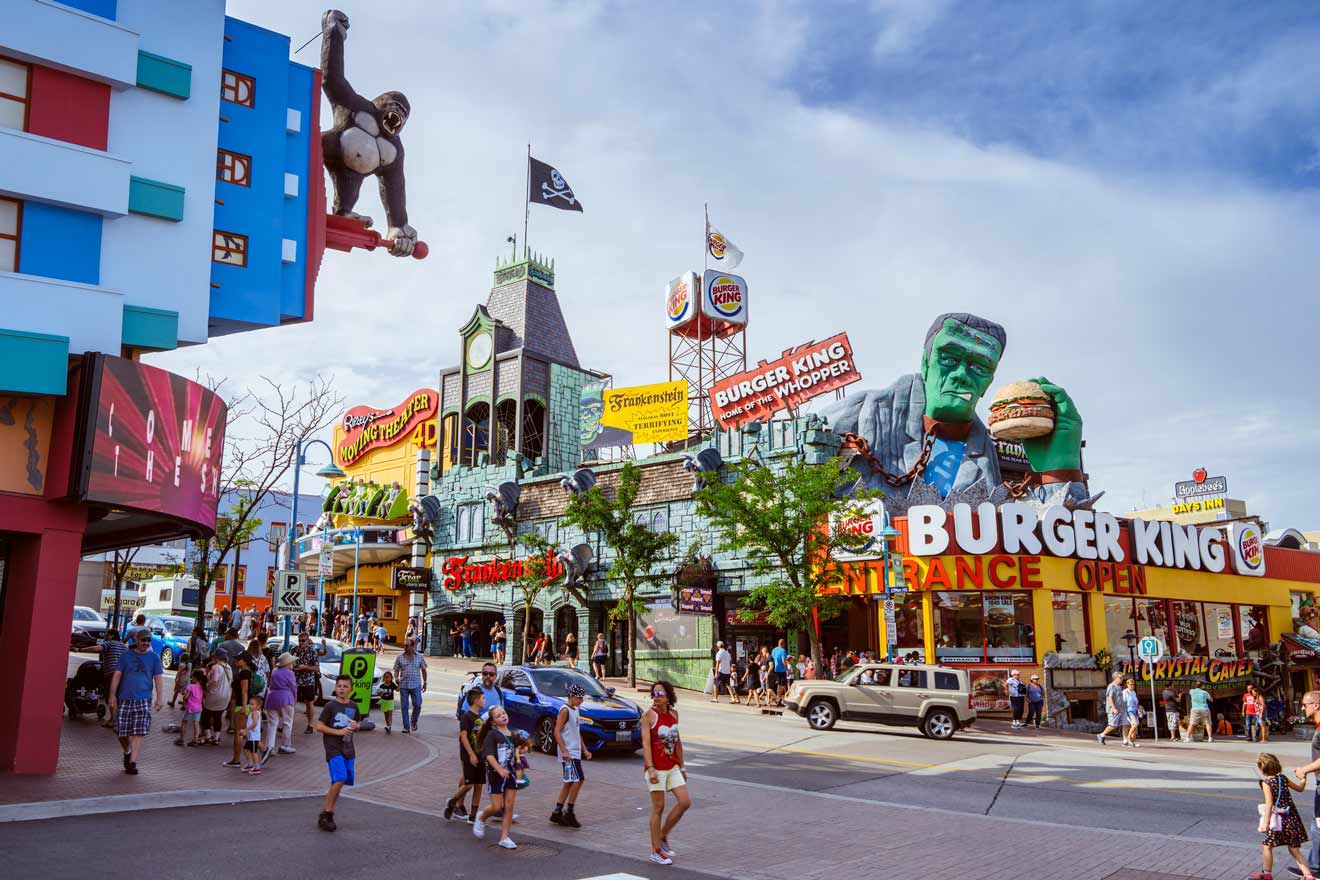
779 659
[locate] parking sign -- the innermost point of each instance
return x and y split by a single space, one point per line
290 596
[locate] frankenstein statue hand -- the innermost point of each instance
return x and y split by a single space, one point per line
1061 449
404 240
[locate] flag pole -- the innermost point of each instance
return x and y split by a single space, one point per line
527 196
705 234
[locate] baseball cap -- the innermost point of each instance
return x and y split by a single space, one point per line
1035 678
576 690
1015 672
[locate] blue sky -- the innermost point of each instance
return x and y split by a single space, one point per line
1131 189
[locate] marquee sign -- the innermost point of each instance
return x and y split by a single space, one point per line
458 572
799 375
364 428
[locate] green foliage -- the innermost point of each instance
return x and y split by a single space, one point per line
636 548
785 520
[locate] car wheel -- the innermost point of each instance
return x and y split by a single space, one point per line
821 714
100 710
545 736
167 658
939 725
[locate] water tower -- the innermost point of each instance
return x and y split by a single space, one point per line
707 319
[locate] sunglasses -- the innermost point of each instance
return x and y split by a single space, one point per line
658 694
487 675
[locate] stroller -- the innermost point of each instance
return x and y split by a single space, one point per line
82 693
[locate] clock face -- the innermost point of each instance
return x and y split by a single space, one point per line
479 350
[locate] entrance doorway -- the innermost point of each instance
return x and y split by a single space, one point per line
566 621
516 634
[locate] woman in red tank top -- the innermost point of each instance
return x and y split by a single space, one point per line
662 750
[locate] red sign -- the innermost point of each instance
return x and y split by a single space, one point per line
459 573
365 428
800 374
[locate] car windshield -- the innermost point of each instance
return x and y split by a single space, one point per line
86 614
176 626
555 682
334 651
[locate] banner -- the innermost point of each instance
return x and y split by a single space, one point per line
799 375
628 416
724 252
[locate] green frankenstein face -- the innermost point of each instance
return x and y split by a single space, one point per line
958 371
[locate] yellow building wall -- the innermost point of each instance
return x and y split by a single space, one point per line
373 581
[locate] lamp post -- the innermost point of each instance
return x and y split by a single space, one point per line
888 531
330 471
1130 639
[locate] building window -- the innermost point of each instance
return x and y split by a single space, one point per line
241 579
476 430
449 441
279 533
270 579
1220 636
533 443
984 627
15 81
233 168
506 423
1153 620
910 624
11 218
1189 627
470 525
1071 633
1120 618
237 88
386 607
1253 624
659 522
229 248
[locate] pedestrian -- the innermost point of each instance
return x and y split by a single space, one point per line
497 642
182 675
499 754
571 649
224 620
136 676
387 689
538 650
751 682
779 672
1311 711
568 737
197 647
1252 704
465 636
723 674
662 752
487 685
247 627
456 638
238 707
600 656
192 709
111 648
280 698
1035 701
1199 715
363 628
219 686
1172 710
1113 707
1017 697
1279 820
307 672
229 648
139 625
1132 712
252 735
381 636
410 672
471 772
336 724
767 675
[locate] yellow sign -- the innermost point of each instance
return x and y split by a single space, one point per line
650 413
1198 506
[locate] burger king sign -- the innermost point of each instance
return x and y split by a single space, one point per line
1247 544
681 299
724 297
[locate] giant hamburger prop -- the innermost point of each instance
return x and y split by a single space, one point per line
1021 411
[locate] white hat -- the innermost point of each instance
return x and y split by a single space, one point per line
719 644
1015 672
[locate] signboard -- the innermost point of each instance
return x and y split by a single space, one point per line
628 416
869 522
696 600
800 374
724 297
1246 545
364 428
325 561
127 601
891 625
1149 649
1186 671
989 689
458 572
1200 506
664 629
1200 484
413 579
290 593
359 665
681 299
155 441
1012 456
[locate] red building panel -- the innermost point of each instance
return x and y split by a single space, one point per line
69 108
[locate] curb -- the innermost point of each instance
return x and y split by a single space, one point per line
129 803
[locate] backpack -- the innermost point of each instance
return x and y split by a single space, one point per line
258 686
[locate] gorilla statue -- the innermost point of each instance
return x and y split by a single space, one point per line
364 140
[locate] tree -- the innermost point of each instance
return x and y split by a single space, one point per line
636 548
124 569
262 435
535 579
787 521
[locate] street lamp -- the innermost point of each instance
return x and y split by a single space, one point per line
328 471
888 531
1130 639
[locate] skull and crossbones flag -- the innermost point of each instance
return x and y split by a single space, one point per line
546 186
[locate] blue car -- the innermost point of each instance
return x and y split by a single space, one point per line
169 637
533 696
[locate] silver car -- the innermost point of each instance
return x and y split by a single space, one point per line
330 664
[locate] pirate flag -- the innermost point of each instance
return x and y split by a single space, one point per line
546 186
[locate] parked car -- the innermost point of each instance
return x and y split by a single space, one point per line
169 637
935 699
88 628
533 696
334 655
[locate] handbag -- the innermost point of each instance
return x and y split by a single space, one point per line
1275 822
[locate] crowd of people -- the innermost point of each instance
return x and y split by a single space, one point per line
469 639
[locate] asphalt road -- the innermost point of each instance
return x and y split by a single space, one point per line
280 838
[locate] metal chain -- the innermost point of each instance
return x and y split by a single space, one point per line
895 481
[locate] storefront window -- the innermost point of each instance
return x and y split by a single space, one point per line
1070 630
1255 628
984 627
1219 630
1189 626
1153 620
1119 619
909 623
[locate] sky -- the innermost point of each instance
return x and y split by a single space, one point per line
1132 190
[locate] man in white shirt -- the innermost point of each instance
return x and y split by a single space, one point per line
723 674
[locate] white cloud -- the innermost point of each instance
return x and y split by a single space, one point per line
1147 297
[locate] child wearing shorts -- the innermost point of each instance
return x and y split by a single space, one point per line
472 773
568 737
192 709
336 725
252 736
387 689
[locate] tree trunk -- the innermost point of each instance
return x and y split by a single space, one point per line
527 626
815 649
632 643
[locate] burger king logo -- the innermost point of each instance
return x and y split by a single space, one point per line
678 301
716 242
1250 548
1247 544
726 296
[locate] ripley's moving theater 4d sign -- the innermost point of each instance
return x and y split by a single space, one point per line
365 428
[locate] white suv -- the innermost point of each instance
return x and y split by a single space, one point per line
935 699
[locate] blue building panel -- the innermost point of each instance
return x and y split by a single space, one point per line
104 8
60 243
261 293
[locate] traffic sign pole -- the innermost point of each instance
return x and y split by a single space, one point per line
1150 650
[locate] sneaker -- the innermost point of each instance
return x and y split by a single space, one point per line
667 849
256 771
131 769
508 843
178 742
478 828
288 750
514 820
127 760
461 811
326 821
660 858
557 818
449 809
232 764
387 731
265 756
1100 738
570 819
